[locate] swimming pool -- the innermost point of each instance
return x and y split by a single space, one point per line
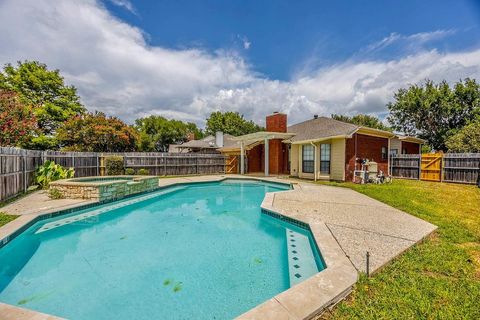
195 251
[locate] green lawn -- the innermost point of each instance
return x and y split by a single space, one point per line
5 218
436 279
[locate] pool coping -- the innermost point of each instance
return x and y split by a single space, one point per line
302 301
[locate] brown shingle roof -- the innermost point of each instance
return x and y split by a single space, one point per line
322 127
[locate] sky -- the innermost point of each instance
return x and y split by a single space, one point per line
185 59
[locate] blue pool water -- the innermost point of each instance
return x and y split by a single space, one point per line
199 251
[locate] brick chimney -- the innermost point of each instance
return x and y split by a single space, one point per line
276 122
278 153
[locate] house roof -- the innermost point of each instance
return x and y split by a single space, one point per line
319 128
323 128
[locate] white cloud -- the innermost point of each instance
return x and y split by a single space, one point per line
246 43
125 4
413 41
117 71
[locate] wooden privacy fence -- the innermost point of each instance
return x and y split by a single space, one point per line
447 167
17 166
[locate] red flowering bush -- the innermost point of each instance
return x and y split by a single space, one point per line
17 122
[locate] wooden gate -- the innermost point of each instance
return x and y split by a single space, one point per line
431 168
231 165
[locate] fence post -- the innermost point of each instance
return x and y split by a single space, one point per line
24 172
98 165
164 165
196 164
419 167
442 168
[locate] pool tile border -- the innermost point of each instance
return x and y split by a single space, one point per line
302 301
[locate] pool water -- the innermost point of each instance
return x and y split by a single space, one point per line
198 251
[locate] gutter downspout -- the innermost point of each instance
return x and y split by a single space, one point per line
314 161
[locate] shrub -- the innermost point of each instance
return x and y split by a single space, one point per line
50 171
54 193
129 171
143 172
114 166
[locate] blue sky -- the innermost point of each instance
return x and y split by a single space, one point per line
185 59
281 36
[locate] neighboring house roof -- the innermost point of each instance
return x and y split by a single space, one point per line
173 148
321 127
209 142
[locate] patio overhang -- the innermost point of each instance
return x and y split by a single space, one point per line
375 132
411 139
261 136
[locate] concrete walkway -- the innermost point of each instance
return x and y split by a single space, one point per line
38 202
357 222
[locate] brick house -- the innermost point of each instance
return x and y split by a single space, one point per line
319 148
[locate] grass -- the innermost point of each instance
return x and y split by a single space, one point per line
6 218
436 279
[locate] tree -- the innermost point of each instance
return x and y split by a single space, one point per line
466 139
157 133
95 132
364 120
17 123
52 100
435 112
230 122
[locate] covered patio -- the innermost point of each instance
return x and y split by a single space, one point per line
273 149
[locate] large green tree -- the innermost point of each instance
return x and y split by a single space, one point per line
17 123
433 111
157 132
364 120
466 139
230 122
95 132
45 90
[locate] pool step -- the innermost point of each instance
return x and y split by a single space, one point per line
91 216
301 260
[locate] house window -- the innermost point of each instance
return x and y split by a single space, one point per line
394 152
384 153
307 158
325 158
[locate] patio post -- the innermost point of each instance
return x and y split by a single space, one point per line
267 156
242 159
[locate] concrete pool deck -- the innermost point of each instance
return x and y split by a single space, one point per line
344 223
